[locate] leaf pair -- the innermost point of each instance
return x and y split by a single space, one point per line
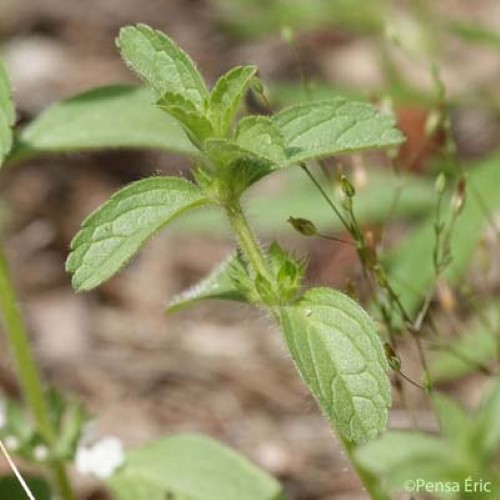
297 134
179 87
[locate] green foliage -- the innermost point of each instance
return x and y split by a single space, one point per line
473 33
7 114
161 64
196 125
226 282
115 232
339 355
475 346
110 117
332 127
192 467
411 267
261 136
468 448
226 96
254 18
10 488
375 203
332 340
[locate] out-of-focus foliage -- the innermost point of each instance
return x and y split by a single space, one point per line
194 467
251 18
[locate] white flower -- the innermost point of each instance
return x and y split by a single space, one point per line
11 443
40 453
100 459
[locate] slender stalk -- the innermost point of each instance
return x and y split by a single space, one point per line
27 371
247 240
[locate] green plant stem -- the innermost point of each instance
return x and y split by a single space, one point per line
27 371
247 240
256 259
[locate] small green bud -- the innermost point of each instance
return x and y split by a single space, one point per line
303 226
427 383
347 187
432 123
392 357
257 85
440 183
380 276
287 35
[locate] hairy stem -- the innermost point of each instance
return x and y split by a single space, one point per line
27 371
256 259
247 240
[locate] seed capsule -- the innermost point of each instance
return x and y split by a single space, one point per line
303 226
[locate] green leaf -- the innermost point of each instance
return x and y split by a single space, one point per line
339 355
487 430
118 116
333 127
219 284
454 422
235 167
400 456
227 94
196 125
161 63
7 114
114 232
193 467
259 135
11 489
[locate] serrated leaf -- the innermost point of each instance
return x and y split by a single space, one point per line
259 135
163 65
333 127
7 114
194 467
219 284
114 232
335 346
119 116
227 94
196 125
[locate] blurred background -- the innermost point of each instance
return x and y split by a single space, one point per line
220 368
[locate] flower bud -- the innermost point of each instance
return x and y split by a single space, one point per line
392 357
347 188
303 226
427 383
440 184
